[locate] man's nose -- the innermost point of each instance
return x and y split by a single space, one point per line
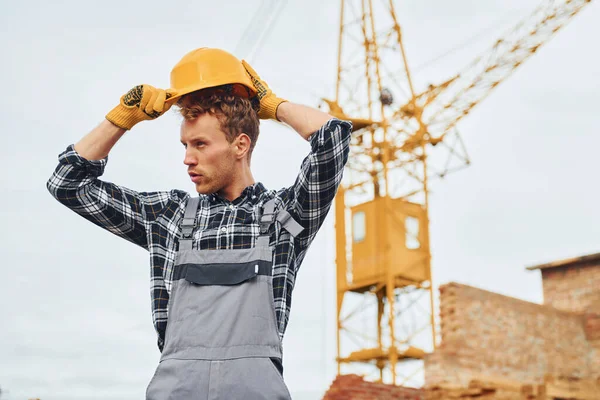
189 159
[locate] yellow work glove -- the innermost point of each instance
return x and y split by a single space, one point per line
268 101
143 102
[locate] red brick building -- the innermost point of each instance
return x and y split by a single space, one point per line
353 387
571 285
523 348
496 336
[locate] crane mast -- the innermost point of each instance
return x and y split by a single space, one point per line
402 139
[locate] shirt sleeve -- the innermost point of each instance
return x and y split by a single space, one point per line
120 210
319 178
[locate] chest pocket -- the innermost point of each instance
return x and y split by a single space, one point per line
225 274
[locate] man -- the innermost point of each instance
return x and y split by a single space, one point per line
224 263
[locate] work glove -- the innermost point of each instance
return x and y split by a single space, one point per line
268 100
143 102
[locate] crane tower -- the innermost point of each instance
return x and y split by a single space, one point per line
403 139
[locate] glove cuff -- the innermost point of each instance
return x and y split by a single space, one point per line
123 117
268 108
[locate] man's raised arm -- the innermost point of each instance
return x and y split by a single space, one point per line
304 120
99 142
75 182
321 172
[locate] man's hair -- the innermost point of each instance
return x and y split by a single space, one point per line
236 114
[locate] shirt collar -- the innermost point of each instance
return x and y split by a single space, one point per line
251 192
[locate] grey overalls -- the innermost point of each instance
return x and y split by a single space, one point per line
221 333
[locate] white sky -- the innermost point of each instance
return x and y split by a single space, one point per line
75 302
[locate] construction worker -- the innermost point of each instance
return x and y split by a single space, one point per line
223 262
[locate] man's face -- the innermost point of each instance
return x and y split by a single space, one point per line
210 158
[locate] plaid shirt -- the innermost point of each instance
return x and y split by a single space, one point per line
152 219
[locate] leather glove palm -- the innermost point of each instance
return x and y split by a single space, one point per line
141 103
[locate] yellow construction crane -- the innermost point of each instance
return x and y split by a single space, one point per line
402 139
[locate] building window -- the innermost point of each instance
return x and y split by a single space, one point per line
359 226
411 226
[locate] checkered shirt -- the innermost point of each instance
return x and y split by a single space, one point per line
152 219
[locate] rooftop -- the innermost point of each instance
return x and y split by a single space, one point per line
567 262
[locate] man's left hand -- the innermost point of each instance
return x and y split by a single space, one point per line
268 100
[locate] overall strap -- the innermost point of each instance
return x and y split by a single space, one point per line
267 218
187 225
289 223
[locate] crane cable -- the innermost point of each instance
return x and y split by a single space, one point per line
257 30
470 40
245 39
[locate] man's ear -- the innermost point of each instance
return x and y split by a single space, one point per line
242 145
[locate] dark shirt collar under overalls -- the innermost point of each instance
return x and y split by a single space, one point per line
250 193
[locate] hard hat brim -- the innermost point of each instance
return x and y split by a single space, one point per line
190 89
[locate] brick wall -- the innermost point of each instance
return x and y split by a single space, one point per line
595 359
592 325
353 387
488 334
591 320
572 287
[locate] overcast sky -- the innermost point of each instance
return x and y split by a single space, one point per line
75 301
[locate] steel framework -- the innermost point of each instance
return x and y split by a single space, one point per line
403 138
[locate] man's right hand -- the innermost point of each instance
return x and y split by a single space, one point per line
141 103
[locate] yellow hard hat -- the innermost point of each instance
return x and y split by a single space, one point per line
205 68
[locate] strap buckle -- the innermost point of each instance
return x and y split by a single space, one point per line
186 231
